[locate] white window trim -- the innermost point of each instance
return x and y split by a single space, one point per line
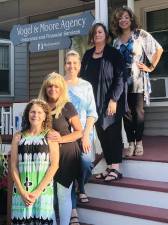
151 9
5 41
144 22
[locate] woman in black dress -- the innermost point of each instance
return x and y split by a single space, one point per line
65 119
103 67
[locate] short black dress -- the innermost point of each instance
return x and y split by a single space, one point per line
69 163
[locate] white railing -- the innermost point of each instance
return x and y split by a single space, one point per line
6 120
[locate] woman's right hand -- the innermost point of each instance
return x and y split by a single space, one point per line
54 136
28 200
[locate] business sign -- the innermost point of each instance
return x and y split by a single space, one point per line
52 30
50 44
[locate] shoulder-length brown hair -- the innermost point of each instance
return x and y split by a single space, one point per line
25 119
116 30
93 31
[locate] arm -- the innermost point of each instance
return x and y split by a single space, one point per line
77 130
85 138
153 50
15 173
54 163
118 83
73 136
154 61
90 120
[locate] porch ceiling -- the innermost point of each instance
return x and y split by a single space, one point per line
10 10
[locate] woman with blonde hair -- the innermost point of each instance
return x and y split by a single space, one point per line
68 130
81 95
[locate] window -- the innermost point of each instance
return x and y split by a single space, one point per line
6 68
157 25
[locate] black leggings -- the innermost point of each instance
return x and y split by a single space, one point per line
111 142
134 119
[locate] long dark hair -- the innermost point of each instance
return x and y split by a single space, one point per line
116 30
25 119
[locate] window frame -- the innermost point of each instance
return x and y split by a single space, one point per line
144 22
11 66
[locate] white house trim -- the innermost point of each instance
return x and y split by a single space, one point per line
5 41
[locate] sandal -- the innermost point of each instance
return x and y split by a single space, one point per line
130 150
115 176
74 220
103 175
83 198
139 150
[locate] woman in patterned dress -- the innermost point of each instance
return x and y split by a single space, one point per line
34 161
136 45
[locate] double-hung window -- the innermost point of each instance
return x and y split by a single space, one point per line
6 68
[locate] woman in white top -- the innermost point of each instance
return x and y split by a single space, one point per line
136 45
81 95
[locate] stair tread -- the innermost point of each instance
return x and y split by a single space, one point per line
127 209
135 183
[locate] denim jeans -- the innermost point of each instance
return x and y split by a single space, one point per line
86 172
62 200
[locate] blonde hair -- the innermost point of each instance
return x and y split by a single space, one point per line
58 80
72 53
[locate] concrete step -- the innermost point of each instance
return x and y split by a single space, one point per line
146 170
130 190
155 132
106 212
156 116
157 124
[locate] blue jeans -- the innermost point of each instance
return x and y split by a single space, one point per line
63 201
86 172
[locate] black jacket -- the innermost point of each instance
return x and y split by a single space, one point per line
110 84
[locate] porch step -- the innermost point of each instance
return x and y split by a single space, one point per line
135 183
106 212
146 170
130 190
156 121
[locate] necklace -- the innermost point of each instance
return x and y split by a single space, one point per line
98 53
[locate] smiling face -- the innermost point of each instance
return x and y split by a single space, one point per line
36 115
99 36
53 92
72 65
125 21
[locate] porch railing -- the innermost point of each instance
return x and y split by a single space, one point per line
6 120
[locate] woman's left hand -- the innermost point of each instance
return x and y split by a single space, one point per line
112 107
54 136
86 143
34 195
144 68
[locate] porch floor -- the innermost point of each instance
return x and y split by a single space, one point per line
155 149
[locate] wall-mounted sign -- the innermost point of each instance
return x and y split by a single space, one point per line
50 44
52 29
